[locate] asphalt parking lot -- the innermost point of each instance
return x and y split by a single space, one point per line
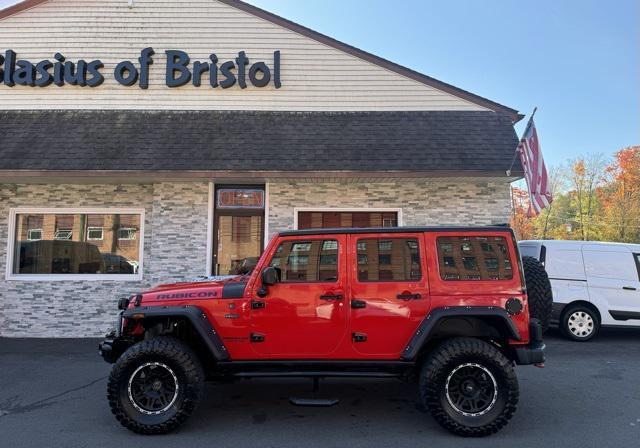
52 393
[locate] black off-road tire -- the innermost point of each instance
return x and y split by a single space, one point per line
581 312
539 291
189 376
448 359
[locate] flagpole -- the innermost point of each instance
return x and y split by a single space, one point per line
515 154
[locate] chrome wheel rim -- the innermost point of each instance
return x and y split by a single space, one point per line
153 388
471 390
581 324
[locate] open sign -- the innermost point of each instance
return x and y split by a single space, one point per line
240 198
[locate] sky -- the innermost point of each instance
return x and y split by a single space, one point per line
578 61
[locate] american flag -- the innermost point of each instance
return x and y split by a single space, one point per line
535 172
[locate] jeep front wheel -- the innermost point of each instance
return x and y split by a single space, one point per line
155 385
469 387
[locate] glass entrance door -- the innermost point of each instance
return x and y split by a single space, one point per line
239 245
238 230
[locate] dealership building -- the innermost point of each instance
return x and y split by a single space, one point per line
152 141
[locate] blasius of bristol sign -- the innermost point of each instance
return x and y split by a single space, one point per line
179 71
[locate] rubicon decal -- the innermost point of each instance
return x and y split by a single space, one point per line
179 71
188 295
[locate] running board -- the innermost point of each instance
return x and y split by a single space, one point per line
314 402
317 374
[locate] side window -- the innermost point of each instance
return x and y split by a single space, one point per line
611 265
388 259
637 257
307 261
474 258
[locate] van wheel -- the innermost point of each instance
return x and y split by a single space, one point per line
469 387
580 323
155 385
539 292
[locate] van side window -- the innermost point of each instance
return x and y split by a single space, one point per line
388 259
609 264
637 256
474 258
307 261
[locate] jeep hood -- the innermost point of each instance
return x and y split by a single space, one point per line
199 289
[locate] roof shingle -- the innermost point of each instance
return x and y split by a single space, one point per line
256 141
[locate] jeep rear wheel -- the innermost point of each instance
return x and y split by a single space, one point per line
539 294
155 385
469 387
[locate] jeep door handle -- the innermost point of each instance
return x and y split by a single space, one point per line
409 296
629 288
331 297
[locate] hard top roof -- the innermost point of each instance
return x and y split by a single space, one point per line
352 230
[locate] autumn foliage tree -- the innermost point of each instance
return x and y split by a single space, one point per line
593 200
522 225
620 198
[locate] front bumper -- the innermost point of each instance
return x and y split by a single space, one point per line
105 348
111 347
533 353
114 344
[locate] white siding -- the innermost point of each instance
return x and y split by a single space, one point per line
315 77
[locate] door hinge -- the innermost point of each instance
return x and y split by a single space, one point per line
356 304
258 304
257 337
359 337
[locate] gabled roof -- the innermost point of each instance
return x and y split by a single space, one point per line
19 7
319 37
427 144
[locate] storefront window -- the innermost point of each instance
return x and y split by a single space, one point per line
325 220
82 243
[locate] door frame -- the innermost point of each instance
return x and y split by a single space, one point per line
214 214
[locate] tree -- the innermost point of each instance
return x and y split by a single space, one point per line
593 199
621 196
520 222
556 183
586 175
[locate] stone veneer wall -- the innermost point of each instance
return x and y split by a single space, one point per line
174 249
423 202
176 236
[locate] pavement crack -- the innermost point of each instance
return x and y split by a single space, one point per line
12 406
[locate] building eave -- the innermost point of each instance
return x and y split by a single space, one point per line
148 176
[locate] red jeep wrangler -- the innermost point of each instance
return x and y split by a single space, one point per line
445 305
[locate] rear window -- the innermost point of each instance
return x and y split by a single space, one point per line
474 258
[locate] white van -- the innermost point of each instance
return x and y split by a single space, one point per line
594 284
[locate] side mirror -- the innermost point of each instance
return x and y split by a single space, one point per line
270 276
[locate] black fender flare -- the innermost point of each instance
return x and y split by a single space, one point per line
429 323
194 315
